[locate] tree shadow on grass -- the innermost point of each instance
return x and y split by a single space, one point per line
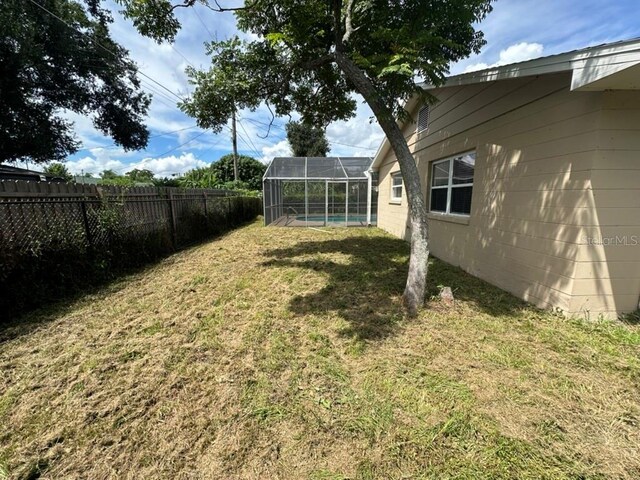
365 280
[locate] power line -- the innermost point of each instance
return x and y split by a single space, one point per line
151 79
182 55
179 146
153 136
103 47
157 94
194 10
249 137
169 90
157 91
173 131
266 124
332 143
176 50
247 145
241 138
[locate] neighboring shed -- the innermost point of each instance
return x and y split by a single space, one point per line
531 173
85 180
319 191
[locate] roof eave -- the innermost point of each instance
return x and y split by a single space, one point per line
627 54
590 67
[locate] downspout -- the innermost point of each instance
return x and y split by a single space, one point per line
369 186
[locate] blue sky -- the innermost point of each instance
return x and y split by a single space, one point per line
516 30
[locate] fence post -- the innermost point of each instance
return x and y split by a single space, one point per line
172 212
206 211
85 219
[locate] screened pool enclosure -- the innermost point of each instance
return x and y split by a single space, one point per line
319 191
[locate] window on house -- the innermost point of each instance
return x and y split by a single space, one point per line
452 184
396 187
423 118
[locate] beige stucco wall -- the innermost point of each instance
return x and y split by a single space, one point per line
554 169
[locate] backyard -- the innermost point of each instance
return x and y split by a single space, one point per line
283 353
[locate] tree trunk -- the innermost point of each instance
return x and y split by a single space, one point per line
414 291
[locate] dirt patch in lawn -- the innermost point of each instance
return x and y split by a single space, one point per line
283 353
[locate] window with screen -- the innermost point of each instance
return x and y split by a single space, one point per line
452 184
396 187
423 118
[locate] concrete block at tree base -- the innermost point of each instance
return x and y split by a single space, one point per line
446 295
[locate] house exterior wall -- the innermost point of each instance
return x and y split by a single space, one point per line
607 275
555 172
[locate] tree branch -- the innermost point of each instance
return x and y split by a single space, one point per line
273 117
217 8
348 26
337 22
318 62
185 4
220 8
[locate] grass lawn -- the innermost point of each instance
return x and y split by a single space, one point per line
283 353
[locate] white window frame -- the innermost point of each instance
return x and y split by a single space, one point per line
418 129
449 186
392 197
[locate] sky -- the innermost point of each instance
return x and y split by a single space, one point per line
516 30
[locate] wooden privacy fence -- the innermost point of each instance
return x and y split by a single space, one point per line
55 235
34 214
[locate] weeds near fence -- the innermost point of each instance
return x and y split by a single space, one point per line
57 239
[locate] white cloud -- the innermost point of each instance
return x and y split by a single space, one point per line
105 159
356 137
280 149
94 165
477 66
168 166
520 52
515 53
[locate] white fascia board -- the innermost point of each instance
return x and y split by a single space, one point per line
588 71
615 56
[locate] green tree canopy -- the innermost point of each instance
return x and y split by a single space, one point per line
166 182
108 174
140 175
202 177
311 57
119 180
58 170
110 177
50 64
307 140
250 171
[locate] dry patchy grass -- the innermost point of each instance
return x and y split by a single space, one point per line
283 353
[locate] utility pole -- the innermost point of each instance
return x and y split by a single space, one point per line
234 140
